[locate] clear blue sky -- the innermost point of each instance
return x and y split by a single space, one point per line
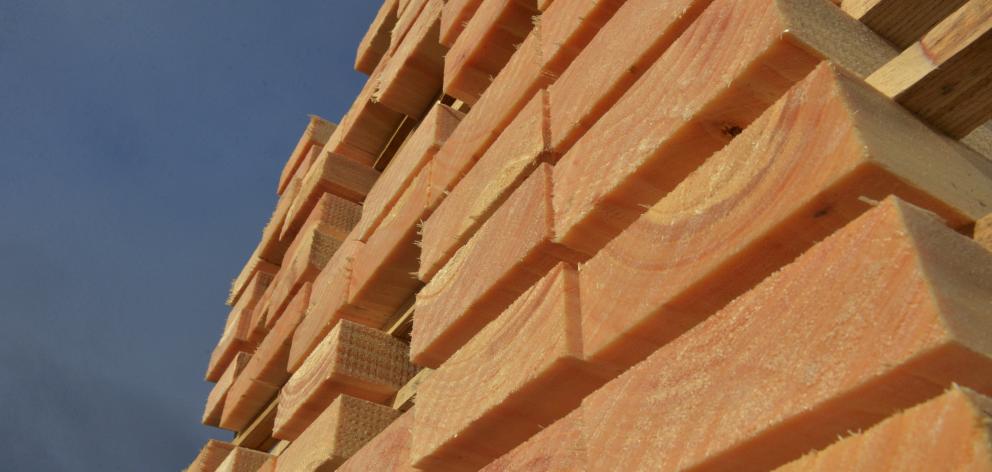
140 145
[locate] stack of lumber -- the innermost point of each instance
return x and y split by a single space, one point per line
596 235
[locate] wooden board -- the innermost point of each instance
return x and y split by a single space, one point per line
791 365
215 401
568 26
811 163
234 339
901 22
655 136
328 304
408 15
946 77
211 456
375 44
454 17
416 152
332 174
525 370
272 247
489 40
412 80
254 264
337 434
633 39
267 371
406 396
367 127
312 251
983 231
384 273
558 448
389 450
258 435
514 155
333 215
510 92
243 460
316 133
511 252
352 360
949 432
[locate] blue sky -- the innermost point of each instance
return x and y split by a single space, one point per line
140 146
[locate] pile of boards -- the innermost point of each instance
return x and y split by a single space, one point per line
596 235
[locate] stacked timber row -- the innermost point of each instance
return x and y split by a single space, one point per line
596 235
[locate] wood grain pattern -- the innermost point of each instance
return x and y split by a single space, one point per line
511 252
655 136
389 450
255 263
504 166
333 215
340 431
881 315
316 133
335 175
236 338
310 253
410 11
367 127
632 40
454 17
243 460
568 26
561 447
272 247
384 273
983 231
267 371
513 88
412 80
416 152
352 360
488 42
946 77
215 401
811 163
328 304
258 435
524 370
211 455
901 22
949 432
375 44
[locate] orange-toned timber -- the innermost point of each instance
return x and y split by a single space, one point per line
409 11
983 231
328 304
334 215
215 401
949 432
411 81
243 460
340 431
384 273
210 457
310 253
332 174
655 136
352 360
489 40
389 450
946 76
508 254
255 264
807 166
523 371
375 44
764 380
514 155
317 132
559 447
901 22
367 127
267 371
416 152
